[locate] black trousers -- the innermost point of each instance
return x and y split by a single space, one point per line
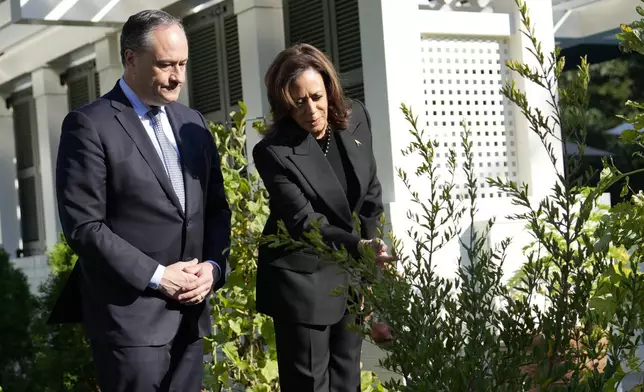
318 358
174 367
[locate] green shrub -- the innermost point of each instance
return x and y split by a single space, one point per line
243 343
475 333
18 306
62 360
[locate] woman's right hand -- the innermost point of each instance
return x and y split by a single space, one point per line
376 244
379 246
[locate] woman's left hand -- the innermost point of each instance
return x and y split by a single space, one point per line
380 332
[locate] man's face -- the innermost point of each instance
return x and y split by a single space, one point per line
158 73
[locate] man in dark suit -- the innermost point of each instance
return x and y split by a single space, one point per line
141 200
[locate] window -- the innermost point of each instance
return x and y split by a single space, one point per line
29 196
214 68
83 85
332 26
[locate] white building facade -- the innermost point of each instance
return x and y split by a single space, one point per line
444 58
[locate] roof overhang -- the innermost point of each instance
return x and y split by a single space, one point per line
577 19
21 19
589 27
605 38
57 27
97 13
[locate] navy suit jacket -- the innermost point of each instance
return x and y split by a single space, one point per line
120 214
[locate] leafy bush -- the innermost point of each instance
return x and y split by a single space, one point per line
632 40
63 360
244 337
473 332
52 358
18 306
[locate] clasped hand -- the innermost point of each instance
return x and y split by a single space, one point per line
189 282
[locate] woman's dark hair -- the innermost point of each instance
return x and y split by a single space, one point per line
287 67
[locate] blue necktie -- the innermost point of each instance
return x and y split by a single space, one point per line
171 159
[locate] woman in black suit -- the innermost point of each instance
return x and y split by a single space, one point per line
317 164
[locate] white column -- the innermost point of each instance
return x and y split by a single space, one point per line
9 225
261 38
108 61
51 107
391 62
535 168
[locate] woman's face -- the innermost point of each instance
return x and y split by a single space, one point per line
311 105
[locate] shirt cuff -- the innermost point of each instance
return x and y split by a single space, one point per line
218 269
156 278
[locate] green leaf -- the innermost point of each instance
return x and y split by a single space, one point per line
235 325
605 173
231 351
270 370
629 135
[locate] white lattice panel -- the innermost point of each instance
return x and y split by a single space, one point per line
462 78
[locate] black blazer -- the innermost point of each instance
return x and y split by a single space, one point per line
303 188
120 214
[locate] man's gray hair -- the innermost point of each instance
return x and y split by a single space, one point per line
137 30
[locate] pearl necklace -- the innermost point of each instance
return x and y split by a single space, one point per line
328 141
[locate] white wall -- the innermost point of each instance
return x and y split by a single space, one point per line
432 60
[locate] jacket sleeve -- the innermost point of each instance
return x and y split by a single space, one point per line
292 206
372 207
81 175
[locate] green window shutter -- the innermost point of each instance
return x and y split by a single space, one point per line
347 46
27 198
97 85
233 62
307 21
25 161
27 172
347 35
203 63
334 27
23 134
78 93
82 84
355 91
214 66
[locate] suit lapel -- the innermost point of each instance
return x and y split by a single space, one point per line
131 123
313 165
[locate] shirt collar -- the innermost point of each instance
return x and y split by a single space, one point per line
140 108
